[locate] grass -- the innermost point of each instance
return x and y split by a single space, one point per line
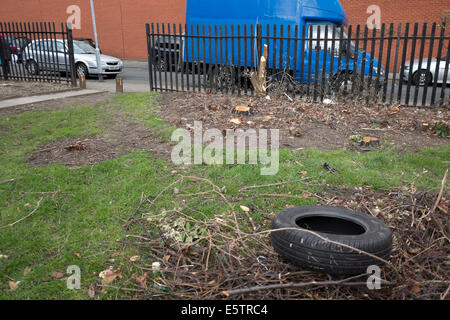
83 209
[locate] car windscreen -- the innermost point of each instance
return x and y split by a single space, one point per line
81 47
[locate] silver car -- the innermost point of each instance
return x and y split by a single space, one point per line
52 55
427 74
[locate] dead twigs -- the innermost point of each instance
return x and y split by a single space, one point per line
28 215
206 255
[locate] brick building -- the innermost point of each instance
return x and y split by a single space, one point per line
121 23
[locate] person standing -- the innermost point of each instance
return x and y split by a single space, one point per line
5 55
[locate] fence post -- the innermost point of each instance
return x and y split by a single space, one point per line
3 54
149 57
71 54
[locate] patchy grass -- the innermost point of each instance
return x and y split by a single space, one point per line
83 210
140 107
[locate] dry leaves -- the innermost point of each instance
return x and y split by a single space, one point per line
245 209
135 258
141 280
236 121
12 285
57 275
108 276
26 271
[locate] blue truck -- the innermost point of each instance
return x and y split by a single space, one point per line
321 19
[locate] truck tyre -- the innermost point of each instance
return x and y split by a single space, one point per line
224 77
344 82
422 78
352 228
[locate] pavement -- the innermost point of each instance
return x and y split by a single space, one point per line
45 97
135 79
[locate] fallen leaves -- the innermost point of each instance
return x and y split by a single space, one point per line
245 209
26 271
295 132
78 146
57 275
108 276
135 258
12 285
236 121
141 280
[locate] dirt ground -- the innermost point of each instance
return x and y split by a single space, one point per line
306 125
123 135
302 125
18 89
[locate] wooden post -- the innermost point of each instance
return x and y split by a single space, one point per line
258 79
119 85
82 80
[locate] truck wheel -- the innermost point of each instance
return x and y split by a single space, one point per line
161 64
223 77
340 225
422 78
344 82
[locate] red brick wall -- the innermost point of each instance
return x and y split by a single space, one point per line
395 11
121 23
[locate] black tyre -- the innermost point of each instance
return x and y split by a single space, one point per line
224 77
161 64
422 78
81 69
341 225
345 82
32 67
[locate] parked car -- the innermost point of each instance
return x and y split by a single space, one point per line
427 74
52 55
89 41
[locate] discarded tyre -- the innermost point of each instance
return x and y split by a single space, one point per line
338 225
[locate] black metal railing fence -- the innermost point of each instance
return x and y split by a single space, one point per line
406 64
37 51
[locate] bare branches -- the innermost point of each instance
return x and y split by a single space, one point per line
344 282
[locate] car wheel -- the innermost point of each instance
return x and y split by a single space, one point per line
300 246
422 78
32 67
81 70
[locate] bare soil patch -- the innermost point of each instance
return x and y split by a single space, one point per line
19 89
306 125
122 137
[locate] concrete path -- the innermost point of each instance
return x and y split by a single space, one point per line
135 78
46 97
